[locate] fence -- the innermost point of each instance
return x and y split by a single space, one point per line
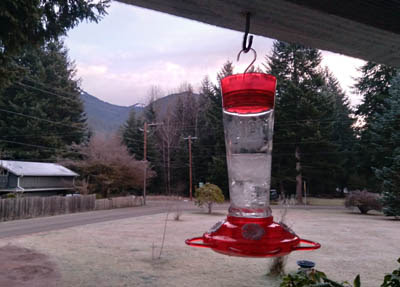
28 207
118 202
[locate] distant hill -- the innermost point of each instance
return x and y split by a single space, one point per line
104 117
168 103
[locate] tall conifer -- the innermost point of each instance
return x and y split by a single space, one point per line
42 114
305 117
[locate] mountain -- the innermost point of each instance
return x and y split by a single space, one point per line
163 105
107 118
104 117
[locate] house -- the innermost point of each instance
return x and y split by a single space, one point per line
37 178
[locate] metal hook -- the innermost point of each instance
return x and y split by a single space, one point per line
246 47
252 62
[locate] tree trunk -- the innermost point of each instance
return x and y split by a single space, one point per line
209 207
363 209
299 179
282 190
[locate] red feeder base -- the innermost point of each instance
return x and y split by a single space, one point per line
251 237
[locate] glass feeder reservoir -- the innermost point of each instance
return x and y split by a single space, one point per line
249 229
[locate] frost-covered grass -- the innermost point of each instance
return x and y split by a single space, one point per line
119 253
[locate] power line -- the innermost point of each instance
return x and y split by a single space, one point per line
46 92
39 119
39 146
39 135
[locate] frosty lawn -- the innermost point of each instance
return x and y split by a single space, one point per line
119 253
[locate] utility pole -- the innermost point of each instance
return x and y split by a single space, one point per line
189 138
144 162
145 157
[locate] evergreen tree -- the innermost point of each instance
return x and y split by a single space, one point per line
155 150
209 148
27 24
373 86
385 139
305 113
42 114
202 148
132 135
343 133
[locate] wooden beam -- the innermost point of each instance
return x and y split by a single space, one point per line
328 25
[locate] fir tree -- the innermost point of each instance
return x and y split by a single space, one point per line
373 86
42 114
28 24
155 150
385 139
305 113
211 142
132 135
343 133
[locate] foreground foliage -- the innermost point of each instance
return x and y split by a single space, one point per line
393 279
315 278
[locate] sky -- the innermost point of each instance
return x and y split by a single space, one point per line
132 49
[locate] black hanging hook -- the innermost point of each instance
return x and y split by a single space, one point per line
247 47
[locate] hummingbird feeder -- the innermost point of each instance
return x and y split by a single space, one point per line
249 230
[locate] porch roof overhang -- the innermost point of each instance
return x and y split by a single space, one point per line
369 30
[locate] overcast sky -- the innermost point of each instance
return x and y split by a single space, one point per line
132 48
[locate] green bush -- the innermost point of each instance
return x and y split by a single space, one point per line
208 194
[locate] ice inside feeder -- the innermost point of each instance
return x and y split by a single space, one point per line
249 230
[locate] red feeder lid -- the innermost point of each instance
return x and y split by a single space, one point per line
248 93
251 237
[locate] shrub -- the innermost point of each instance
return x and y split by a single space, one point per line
363 200
208 194
108 167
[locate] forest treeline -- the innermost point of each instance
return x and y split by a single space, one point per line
320 142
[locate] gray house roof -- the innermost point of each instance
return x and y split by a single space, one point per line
25 168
